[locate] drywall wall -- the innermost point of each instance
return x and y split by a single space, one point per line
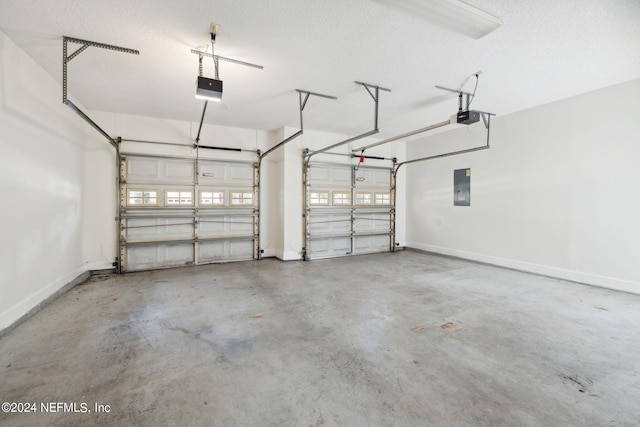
42 171
272 195
99 219
556 194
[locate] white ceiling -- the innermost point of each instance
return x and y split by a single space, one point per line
546 50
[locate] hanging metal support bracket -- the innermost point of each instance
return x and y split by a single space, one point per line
65 62
376 97
223 58
404 135
302 102
486 119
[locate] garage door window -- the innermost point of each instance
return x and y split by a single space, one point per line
363 199
383 199
212 198
319 198
241 198
179 198
142 198
341 199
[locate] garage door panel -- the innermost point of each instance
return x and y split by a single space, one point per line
228 250
179 170
241 174
211 173
241 225
371 222
220 173
330 175
159 170
319 175
143 168
216 226
158 256
370 244
159 228
331 247
341 176
367 178
330 223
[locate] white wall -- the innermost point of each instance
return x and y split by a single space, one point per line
42 171
272 199
99 224
556 194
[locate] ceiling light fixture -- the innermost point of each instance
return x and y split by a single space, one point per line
453 15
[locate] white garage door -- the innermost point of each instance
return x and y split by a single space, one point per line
183 211
348 211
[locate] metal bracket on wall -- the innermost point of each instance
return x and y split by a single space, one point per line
68 58
376 98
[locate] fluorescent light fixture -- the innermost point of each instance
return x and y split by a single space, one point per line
453 15
209 89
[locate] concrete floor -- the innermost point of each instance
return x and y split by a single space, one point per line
403 339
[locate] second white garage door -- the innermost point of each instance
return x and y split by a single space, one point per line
348 210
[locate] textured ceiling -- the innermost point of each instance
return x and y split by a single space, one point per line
546 50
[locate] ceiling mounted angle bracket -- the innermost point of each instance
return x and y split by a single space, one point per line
376 98
223 58
68 58
302 103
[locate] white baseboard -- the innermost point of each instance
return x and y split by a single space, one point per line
291 256
30 305
544 270
286 255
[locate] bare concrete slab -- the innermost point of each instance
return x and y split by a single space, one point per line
403 339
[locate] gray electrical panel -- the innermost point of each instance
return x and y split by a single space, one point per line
462 187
